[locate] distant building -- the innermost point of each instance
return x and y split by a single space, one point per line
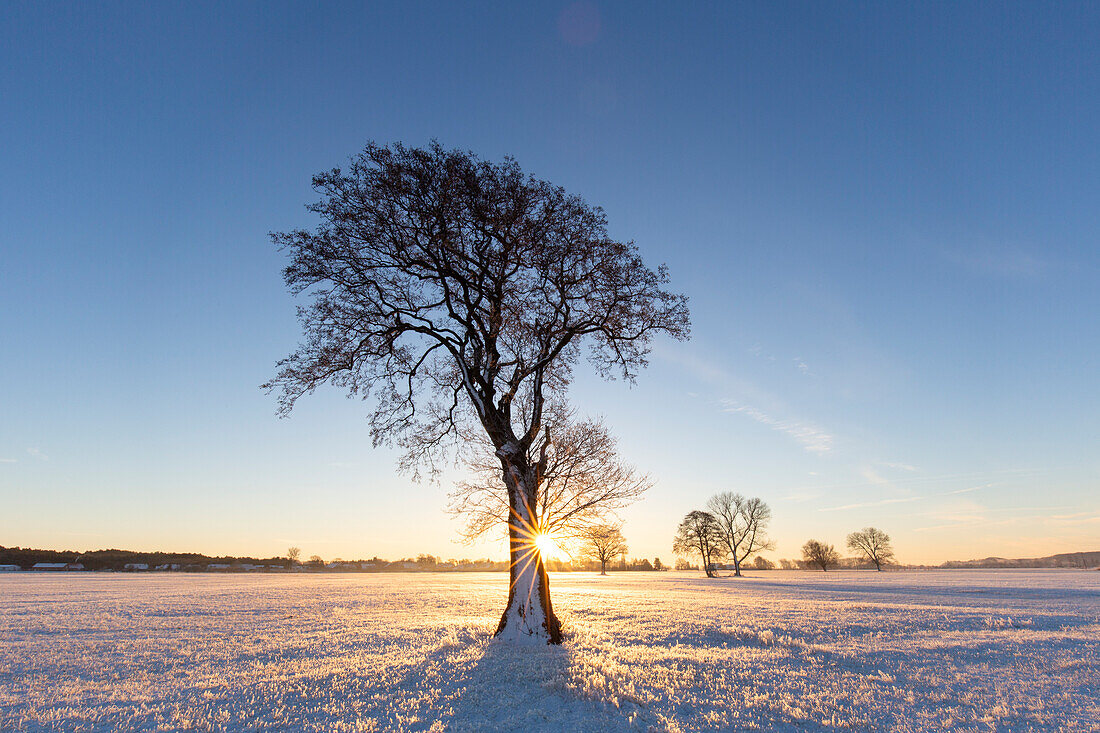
218 566
136 566
54 566
75 566
168 566
9 568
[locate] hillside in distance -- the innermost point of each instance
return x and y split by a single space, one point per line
1064 560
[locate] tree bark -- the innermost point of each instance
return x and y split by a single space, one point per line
529 615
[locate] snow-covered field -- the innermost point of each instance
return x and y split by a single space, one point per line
960 650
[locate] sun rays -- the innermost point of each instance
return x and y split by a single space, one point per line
546 545
534 542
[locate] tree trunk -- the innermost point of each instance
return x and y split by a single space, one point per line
529 616
736 567
603 567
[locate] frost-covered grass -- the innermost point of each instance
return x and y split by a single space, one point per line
961 650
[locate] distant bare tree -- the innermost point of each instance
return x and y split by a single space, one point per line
602 543
582 484
786 564
699 533
293 553
316 560
820 554
763 563
873 544
658 565
742 525
452 291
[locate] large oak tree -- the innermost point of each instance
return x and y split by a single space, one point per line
453 291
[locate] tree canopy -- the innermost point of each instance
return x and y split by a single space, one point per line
445 286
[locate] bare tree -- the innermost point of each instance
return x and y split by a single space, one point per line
820 554
292 554
742 524
602 543
582 484
873 544
763 563
699 533
451 291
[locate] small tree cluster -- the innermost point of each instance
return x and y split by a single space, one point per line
820 554
734 528
742 526
603 543
698 533
872 545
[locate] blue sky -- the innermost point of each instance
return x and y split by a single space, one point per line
887 218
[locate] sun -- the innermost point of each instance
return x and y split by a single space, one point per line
546 544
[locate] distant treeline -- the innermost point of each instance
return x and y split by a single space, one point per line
126 560
129 561
27 558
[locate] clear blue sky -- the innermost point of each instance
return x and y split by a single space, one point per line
887 218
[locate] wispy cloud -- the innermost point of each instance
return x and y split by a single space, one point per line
877 480
965 491
35 453
758 351
8 460
1078 518
976 515
1002 262
801 496
811 437
898 466
881 502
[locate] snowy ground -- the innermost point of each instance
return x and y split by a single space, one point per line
960 650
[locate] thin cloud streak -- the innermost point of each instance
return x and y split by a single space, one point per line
812 438
882 502
903 500
898 466
916 479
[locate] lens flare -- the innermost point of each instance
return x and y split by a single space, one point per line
546 544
